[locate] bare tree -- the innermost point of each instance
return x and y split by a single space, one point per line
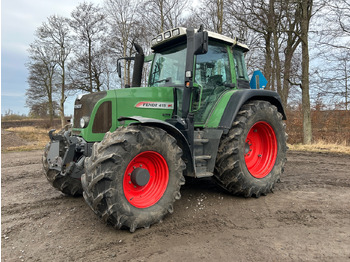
211 14
123 24
41 109
331 79
42 66
291 31
88 23
56 32
255 16
160 15
332 42
305 16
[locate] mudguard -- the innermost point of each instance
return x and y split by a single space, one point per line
173 131
240 97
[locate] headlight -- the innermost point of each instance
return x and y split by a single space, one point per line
84 121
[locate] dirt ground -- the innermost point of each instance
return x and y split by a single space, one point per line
307 218
11 139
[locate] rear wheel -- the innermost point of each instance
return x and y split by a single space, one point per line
251 157
134 176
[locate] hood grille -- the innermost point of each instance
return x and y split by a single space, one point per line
85 105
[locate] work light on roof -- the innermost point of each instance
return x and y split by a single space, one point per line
167 35
154 41
159 38
176 31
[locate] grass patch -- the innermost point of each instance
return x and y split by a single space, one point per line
322 146
35 138
28 138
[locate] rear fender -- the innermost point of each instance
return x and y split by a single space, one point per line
171 130
240 97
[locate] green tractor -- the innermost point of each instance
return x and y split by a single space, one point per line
129 149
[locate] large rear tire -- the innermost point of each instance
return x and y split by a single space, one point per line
251 157
133 176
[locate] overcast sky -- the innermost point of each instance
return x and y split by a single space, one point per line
19 20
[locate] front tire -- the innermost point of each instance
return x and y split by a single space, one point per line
251 157
66 184
134 176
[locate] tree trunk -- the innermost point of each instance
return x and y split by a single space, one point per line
63 96
268 67
220 15
346 87
306 7
51 112
161 16
268 61
90 66
277 62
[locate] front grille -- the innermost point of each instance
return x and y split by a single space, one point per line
85 105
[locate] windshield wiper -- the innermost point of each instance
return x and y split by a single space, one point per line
163 80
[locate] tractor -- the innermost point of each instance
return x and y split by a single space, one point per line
128 150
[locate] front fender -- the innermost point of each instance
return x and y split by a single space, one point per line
173 131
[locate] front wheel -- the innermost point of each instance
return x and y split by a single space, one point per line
251 157
64 183
134 176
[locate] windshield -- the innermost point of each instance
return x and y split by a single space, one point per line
168 67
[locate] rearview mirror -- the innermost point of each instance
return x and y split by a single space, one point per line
201 43
119 69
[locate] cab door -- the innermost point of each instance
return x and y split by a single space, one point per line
212 79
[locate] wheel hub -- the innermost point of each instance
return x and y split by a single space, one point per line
260 149
145 179
140 176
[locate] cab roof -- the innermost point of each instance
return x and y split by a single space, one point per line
178 34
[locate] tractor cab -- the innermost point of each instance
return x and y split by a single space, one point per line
219 69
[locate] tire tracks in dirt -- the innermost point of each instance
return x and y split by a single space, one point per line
306 218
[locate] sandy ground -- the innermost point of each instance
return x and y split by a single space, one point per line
307 218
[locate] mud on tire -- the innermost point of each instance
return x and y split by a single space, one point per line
251 157
130 152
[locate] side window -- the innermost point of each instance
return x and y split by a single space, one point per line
213 68
241 70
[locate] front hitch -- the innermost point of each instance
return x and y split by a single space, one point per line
66 153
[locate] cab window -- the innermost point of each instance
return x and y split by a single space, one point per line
213 75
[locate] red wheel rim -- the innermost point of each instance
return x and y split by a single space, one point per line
260 149
149 194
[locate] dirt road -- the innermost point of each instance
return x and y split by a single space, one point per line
306 218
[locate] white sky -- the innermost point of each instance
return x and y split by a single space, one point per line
19 20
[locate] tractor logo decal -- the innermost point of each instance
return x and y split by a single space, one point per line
155 105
